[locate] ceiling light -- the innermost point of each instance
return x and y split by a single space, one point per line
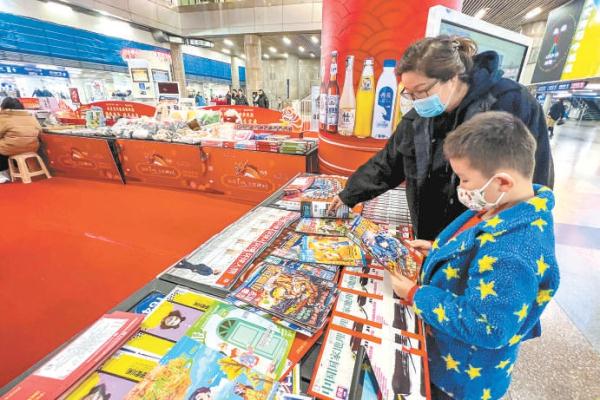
226 51
301 49
287 40
533 13
266 56
59 8
481 13
243 56
228 42
285 55
312 54
314 39
272 49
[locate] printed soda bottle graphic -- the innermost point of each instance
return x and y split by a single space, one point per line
333 96
384 101
323 100
365 97
347 101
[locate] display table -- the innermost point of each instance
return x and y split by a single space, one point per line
80 157
240 174
342 155
415 383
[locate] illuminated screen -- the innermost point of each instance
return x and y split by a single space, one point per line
168 88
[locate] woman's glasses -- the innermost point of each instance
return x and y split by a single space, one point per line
421 94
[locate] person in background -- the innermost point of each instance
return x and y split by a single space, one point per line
555 114
200 100
228 98
262 101
449 84
242 100
492 271
234 97
255 99
19 131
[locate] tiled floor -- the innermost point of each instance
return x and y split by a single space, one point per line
565 362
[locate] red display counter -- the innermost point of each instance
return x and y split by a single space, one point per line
342 155
80 157
239 174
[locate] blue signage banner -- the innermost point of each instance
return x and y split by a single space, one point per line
21 70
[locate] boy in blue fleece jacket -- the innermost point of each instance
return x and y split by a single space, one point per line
489 275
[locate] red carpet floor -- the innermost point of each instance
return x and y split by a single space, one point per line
70 250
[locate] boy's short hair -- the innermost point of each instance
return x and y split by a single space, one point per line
491 141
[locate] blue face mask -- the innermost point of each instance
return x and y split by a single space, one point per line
429 107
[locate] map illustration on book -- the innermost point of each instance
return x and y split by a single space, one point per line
194 371
289 293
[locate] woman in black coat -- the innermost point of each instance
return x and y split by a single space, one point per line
448 84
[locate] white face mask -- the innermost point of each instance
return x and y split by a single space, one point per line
475 200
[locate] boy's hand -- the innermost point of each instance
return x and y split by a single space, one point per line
424 246
335 204
401 284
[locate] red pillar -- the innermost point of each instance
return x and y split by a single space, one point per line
381 29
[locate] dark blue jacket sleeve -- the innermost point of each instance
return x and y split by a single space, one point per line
522 104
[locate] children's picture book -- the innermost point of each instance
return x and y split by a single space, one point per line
289 293
170 320
127 365
322 226
148 345
99 385
246 337
331 250
192 370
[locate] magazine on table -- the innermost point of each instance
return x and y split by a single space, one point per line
292 295
322 226
192 370
331 250
216 265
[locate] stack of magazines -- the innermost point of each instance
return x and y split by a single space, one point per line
216 265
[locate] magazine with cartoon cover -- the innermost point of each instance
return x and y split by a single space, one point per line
291 294
385 248
319 270
246 337
218 262
331 250
322 226
192 370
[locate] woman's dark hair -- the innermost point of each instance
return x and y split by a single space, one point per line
10 103
442 57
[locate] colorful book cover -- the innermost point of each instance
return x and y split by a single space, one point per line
149 345
322 271
78 358
251 340
194 371
331 250
386 249
320 209
189 298
148 303
170 320
101 386
291 294
290 247
128 365
322 226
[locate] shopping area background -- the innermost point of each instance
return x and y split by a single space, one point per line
236 98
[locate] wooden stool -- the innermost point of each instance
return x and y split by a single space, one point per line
19 168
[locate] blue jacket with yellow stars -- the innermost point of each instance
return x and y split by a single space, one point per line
483 293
